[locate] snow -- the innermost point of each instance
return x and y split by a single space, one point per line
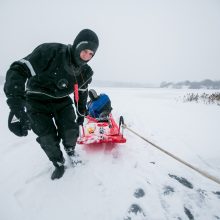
133 180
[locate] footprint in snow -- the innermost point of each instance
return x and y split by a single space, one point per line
168 190
188 213
217 193
202 194
135 210
182 180
139 193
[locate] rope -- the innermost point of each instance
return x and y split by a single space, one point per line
77 109
203 173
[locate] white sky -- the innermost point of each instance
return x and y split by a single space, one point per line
146 41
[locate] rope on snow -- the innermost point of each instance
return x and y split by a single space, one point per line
203 173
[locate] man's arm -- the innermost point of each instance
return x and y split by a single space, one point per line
83 93
14 86
14 89
33 64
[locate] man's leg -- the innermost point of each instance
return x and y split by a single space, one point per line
68 129
43 126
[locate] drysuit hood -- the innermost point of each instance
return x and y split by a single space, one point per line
86 39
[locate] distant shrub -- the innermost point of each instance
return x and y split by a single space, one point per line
205 98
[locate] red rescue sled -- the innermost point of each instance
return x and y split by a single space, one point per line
105 130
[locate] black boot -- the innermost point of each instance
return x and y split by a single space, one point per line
70 151
50 144
59 169
73 156
58 172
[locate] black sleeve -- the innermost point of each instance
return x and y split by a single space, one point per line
33 64
14 86
83 89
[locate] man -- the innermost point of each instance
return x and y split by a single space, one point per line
99 106
50 73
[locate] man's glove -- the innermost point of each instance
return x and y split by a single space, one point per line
18 122
80 120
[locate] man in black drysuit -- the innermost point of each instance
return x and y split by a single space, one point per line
38 88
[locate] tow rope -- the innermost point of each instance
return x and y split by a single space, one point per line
203 173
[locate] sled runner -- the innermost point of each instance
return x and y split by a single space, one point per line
101 130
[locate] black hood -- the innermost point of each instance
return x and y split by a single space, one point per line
86 39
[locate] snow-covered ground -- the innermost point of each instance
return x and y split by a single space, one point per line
134 181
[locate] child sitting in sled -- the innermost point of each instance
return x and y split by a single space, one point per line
99 106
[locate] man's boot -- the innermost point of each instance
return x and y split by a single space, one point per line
74 157
70 151
59 170
50 144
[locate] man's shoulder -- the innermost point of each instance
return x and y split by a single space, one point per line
53 46
47 50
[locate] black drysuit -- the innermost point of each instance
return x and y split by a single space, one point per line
42 82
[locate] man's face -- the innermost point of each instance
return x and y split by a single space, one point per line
86 54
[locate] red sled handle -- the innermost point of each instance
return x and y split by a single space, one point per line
76 92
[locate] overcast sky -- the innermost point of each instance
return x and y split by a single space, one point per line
146 41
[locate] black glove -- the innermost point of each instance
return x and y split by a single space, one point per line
80 120
18 122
